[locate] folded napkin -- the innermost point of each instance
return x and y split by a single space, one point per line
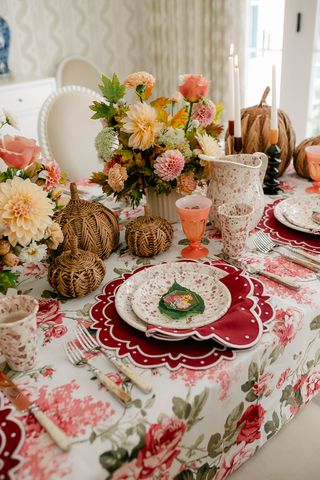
240 327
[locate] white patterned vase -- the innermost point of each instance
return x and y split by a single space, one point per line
163 205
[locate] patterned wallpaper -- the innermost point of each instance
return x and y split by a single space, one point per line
165 37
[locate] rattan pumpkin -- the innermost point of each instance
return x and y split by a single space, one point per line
95 226
76 272
255 125
300 161
147 236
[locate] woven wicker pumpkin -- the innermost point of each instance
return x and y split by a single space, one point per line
94 225
255 124
76 272
148 236
300 161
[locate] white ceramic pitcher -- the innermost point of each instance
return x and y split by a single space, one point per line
237 178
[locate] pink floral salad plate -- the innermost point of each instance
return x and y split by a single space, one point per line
301 213
146 299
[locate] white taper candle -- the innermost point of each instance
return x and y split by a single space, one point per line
237 112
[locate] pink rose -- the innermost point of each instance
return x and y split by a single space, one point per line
261 386
233 459
115 378
252 418
194 87
18 152
294 409
161 442
58 331
312 385
283 377
49 311
285 332
47 372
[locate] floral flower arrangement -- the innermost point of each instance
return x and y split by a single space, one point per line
154 145
29 196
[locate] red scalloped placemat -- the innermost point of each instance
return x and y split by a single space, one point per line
11 439
279 232
114 334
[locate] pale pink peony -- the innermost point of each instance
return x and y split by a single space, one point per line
18 152
51 175
194 87
204 113
169 165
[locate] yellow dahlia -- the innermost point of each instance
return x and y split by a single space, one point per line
25 211
141 78
141 122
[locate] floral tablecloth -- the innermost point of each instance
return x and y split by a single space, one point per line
196 424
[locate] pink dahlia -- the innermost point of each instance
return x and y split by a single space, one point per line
204 113
169 165
51 174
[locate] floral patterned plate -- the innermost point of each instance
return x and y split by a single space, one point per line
302 222
126 290
145 301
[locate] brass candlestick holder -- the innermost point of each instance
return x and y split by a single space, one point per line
271 182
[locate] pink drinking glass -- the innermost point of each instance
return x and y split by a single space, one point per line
193 211
313 156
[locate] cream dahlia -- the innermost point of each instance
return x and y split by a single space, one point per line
116 177
141 78
209 145
141 121
25 211
169 165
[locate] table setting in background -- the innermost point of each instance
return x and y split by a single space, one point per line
169 328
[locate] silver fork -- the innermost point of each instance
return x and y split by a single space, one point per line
89 344
75 356
265 244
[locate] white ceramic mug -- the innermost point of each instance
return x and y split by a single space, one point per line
235 221
18 331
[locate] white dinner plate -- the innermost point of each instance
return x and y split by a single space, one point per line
302 211
279 213
145 300
126 290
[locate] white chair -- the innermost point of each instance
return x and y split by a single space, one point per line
67 133
78 70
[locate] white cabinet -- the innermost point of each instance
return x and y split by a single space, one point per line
24 100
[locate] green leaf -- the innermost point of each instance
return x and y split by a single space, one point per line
184 241
170 309
251 396
203 472
8 279
180 408
276 352
92 437
137 403
269 427
275 419
150 402
247 386
112 90
315 323
230 440
214 445
253 371
232 419
298 396
185 475
310 364
102 111
205 241
287 392
198 404
113 459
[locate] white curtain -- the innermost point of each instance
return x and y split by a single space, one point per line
164 37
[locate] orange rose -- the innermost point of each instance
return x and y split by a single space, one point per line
194 87
18 152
